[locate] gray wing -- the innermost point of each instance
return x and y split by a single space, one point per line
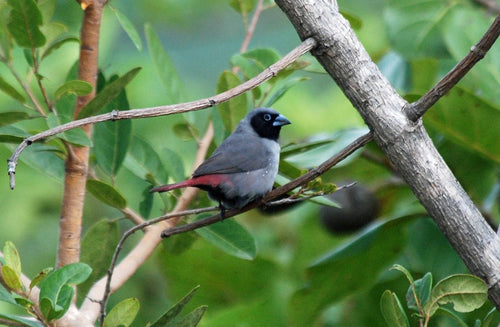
240 152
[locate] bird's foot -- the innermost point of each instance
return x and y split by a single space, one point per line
222 211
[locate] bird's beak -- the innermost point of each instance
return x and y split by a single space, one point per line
281 120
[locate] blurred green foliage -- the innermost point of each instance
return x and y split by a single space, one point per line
279 270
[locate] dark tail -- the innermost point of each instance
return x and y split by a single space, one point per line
170 187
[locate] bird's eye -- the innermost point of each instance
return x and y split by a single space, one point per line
267 117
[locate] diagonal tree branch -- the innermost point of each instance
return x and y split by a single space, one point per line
405 142
302 180
477 52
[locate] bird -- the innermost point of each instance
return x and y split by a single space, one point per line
244 166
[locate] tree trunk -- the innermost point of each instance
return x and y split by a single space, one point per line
405 143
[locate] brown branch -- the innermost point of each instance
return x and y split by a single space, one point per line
251 28
27 90
76 166
125 236
268 73
418 108
302 180
91 309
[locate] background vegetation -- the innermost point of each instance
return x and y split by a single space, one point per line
414 42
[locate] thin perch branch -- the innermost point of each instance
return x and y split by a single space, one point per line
268 73
477 52
302 180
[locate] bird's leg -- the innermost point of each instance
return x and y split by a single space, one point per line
222 211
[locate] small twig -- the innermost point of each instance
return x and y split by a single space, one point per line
268 73
127 234
251 28
38 78
294 199
418 108
307 177
27 90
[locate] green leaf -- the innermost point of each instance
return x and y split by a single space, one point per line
325 201
414 27
128 27
355 22
24 21
392 310
56 291
146 203
12 134
19 321
7 118
462 160
44 159
423 287
5 43
10 91
234 110
57 43
184 131
172 313
174 163
492 319
76 87
98 246
106 193
291 149
331 278
6 296
282 88
11 278
110 92
244 7
169 76
397 70
113 137
231 238
333 144
112 141
465 292
74 136
255 61
47 8
40 277
123 314
467 120
442 311
191 319
11 257
145 163
464 27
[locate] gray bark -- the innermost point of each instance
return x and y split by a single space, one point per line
405 143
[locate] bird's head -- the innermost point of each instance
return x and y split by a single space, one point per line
267 122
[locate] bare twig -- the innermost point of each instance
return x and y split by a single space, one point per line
268 73
130 232
251 28
418 108
27 90
38 78
307 177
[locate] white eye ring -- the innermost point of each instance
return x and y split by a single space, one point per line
267 117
